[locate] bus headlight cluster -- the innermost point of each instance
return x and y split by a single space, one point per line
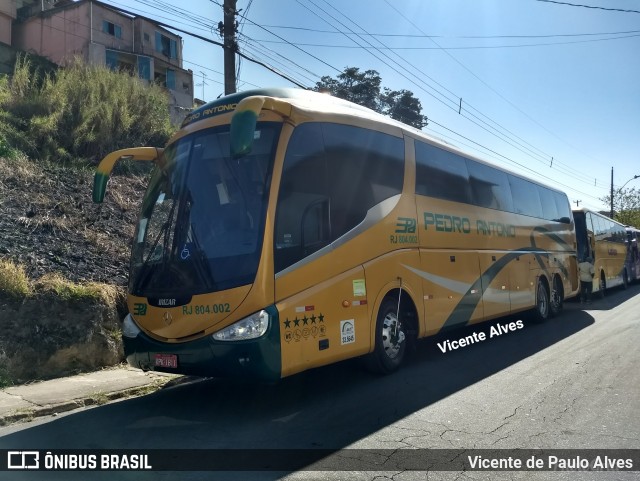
248 328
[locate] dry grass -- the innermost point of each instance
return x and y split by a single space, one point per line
21 168
15 283
67 290
123 201
46 223
14 280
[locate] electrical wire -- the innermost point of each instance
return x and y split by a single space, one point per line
189 33
591 6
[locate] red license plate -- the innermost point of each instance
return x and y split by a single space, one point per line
166 360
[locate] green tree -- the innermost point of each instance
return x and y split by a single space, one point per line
626 206
401 105
364 88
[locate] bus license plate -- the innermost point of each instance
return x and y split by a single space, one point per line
166 360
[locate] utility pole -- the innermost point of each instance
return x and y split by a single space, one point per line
230 46
611 192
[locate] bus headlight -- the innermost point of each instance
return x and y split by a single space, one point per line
248 328
129 328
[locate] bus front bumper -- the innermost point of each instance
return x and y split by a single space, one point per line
255 359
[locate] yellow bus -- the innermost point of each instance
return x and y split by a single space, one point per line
606 242
284 230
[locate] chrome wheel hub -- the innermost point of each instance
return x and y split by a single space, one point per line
392 335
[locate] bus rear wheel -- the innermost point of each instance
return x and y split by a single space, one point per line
557 297
391 339
541 311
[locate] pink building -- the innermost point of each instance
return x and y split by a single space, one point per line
102 35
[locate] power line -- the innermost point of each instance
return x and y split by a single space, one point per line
455 59
468 47
454 104
361 35
478 37
285 40
591 6
284 62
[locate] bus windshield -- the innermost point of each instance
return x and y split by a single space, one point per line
202 218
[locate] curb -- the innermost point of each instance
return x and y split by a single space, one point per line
94 399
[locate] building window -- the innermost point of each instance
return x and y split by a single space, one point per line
144 68
111 59
167 46
146 37
112 29
171 79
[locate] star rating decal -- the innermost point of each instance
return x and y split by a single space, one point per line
292 334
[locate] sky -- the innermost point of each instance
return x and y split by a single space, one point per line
549 90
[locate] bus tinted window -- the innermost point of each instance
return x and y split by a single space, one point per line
489 187
365 168
441 174
563 207
332 175
303 200
525 197
549 209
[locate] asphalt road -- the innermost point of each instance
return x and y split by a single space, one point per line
570 383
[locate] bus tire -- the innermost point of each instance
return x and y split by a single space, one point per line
391 339
603 285
625 279
542 309
556 298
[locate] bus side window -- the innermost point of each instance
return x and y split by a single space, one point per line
563 207
441 174
332 175
365 168
549 208
489 187
302 219
526 198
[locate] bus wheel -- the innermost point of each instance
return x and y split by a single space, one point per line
625 279
541 311
603 285
557 297
391 339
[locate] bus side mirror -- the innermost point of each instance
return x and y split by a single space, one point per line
106 165
243 125
245 117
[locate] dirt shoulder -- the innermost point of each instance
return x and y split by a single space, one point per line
48 222
50 225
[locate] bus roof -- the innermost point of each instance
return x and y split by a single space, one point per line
300 98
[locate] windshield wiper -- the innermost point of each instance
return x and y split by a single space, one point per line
146 271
